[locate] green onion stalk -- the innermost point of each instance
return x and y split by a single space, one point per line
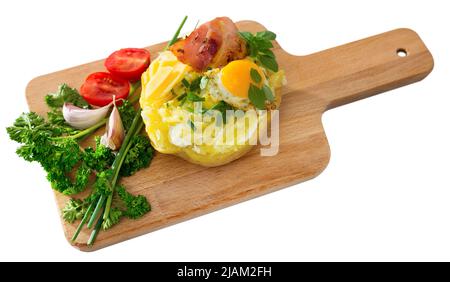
104 202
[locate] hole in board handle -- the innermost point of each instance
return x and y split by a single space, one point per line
402 53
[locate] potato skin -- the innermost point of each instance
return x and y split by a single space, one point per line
216 160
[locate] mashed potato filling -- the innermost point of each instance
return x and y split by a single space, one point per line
182 111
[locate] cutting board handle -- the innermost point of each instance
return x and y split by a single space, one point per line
366 67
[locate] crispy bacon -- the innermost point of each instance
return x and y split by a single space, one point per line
213 44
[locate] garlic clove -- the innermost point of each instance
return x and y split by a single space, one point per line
80 118
115 132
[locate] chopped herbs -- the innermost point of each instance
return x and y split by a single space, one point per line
182 97
185 83
191 96
195 84
192 91
222 107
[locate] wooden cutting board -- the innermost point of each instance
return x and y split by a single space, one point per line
178 190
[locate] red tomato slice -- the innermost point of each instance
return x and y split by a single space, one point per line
100 87
128 63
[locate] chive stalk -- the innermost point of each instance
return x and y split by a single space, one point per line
95 232
97 210
83 220
135 128
177 33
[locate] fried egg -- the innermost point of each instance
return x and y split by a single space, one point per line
234 81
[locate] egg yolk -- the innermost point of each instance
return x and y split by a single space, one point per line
236 77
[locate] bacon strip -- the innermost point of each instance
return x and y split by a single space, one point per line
213 44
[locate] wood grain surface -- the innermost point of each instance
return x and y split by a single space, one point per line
178 190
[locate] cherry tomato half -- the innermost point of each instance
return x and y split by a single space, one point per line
128 63
100 87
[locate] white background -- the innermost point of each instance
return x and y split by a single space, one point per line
385 194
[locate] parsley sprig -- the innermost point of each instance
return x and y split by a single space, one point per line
259 46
